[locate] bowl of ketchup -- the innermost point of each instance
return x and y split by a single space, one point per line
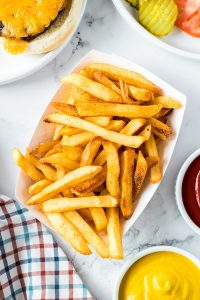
188 191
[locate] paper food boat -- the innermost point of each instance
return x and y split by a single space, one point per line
45 131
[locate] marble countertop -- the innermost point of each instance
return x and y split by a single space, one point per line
22 103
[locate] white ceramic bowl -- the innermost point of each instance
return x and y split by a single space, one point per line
146 252
178 191
177 41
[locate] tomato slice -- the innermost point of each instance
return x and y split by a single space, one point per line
189 16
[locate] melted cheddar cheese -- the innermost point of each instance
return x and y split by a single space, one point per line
26 18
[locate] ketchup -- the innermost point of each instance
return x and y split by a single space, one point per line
191 191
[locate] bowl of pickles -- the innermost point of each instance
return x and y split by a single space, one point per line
171 24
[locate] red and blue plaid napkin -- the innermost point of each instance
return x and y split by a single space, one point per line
32 265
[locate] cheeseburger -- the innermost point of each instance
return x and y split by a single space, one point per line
36 25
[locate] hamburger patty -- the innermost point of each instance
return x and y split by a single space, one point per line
27 18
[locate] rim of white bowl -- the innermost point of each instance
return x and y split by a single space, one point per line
178 191
134 24
148 251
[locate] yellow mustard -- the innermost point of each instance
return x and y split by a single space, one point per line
161 276
25 18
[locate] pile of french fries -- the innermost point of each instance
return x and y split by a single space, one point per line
104 147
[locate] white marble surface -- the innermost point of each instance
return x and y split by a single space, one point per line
22 103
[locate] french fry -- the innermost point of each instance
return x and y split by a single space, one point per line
94 88
60 159
101 78
90 151
65 108
69 131
79 139
140 173
163 131
69 232
116 125
124 91
26 165
61 171
73 152
151 149
151 161
128 76
115 109
38 186
113 169
67 193
146 132
130 141
162 113
126 183
81 95
89 185
48 171
114 233
140 94
167 102
88 233
132 127
86 215
67 204
44 147
57 135
70 179
101 121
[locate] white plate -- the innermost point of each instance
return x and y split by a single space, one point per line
177 42
15 67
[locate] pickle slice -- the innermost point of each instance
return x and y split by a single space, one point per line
158 16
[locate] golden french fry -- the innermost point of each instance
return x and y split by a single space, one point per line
152 161
65 108
44 147
101 78
126 183
88 233
124 90
101 121
69 232
73 152
48 171
115 109
130 141
81 95
61 171
146 132
140 172
151 149
57 135
99 218
67 193
70 179
163 131
89 185
116 125
67 204
79 139
132 127
162 113
90 151
26 165
69 131
94 88
85 214
167 102
140 94
113 169
60 159
38 186
114 233
130 77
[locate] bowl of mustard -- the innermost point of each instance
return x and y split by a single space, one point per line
159 273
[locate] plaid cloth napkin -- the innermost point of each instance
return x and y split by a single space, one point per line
32 265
